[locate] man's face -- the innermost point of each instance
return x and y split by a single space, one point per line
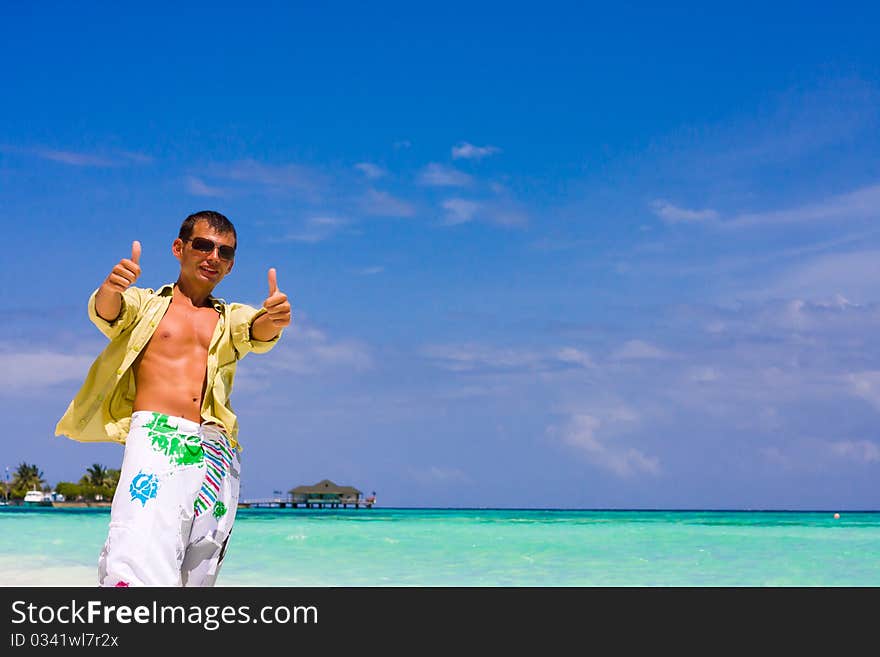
206 268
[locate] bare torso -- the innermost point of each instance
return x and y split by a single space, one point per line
171 370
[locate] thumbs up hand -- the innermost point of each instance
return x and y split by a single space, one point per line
276 304
126 272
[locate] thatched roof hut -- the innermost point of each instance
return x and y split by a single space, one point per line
325 490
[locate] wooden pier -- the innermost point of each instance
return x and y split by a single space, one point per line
304 504
323 495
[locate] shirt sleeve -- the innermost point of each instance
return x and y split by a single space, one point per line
241 317
132 299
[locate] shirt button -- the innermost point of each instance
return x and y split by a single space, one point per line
135 348
119 371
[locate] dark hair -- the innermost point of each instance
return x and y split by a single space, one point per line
215 220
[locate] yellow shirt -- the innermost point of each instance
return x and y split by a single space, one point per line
101 410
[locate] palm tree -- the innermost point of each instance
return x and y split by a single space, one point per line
98 482
27 477
96 475
111 479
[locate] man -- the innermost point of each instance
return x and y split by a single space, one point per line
162 388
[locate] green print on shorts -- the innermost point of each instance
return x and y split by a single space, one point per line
181 448
219 509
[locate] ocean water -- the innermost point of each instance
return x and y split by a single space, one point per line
482 547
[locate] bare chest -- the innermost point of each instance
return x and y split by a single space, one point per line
185 328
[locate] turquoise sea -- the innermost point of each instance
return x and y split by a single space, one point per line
482 547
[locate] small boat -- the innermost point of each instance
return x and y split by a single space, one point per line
37 497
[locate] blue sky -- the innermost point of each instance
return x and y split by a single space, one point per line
539 255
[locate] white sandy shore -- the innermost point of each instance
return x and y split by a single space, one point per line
39 572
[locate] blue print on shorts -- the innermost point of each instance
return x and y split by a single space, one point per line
144 487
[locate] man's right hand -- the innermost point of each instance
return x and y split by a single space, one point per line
126 272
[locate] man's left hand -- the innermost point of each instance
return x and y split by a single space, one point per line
276 304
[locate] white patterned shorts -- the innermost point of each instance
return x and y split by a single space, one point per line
173 510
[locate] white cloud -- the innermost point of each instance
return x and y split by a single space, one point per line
470 152
470 357
309 237
575 356
469 392
345 353
437 175
673 214
863 203
581 434
198 187
371 171
702 374
283 177
791 125
850 275
559 244
138 158
370 271
833 319
814 455
866 385
859 450
315 229
640 350
306 350
73 158
383 204
26 370
506 215
333 222
459 210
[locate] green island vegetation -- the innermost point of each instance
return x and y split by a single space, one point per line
97 484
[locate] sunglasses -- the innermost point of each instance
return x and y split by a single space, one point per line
207 246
